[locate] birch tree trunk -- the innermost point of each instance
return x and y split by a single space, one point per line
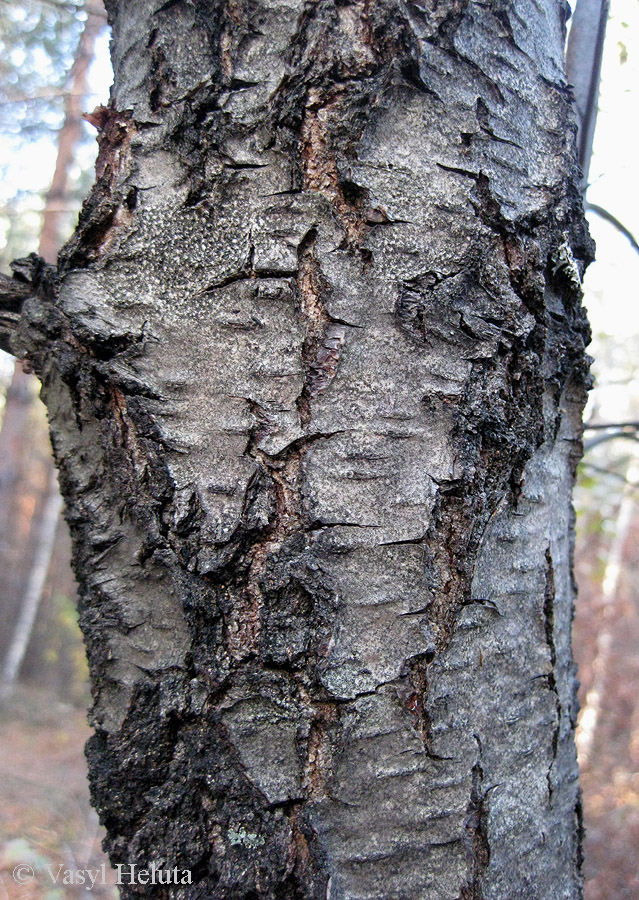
314 363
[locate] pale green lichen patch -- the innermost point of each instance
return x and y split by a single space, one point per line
244 838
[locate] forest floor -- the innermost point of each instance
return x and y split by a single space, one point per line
46 822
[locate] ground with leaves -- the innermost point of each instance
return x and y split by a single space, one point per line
45 817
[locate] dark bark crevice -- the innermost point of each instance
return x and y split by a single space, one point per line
476 837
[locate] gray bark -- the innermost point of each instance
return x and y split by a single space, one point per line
314 363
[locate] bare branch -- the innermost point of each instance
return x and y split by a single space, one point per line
602 470
602 438
608 217
601 426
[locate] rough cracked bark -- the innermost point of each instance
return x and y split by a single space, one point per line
314 363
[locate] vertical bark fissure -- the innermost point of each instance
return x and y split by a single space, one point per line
549 626
476 837
319 369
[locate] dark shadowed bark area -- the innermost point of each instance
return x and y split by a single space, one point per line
314 363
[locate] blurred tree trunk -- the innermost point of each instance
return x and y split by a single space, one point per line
314 363
584 53
26 464
24 467
69 138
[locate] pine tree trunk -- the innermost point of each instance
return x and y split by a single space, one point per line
314 363
69 137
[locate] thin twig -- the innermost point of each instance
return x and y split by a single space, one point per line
613 220
629 435
602 470
600 426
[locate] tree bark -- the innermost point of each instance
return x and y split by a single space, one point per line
314 363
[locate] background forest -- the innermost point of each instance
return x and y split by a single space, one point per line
53 67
